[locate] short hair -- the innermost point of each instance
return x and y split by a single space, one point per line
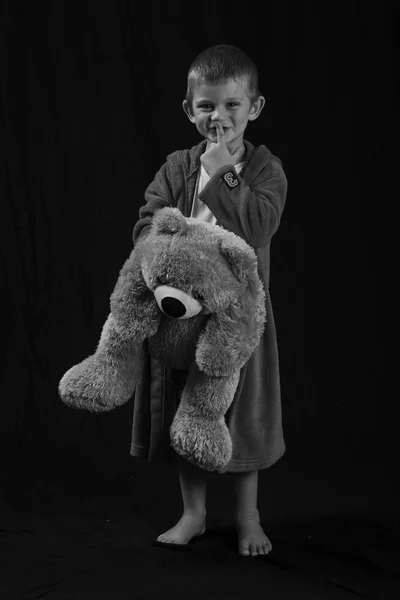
218 64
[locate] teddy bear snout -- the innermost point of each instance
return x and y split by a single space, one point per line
175 303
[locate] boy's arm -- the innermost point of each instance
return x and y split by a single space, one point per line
157 195
252 213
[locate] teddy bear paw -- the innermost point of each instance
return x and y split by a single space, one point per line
95 386
206 444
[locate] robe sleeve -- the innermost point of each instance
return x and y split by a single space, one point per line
254 212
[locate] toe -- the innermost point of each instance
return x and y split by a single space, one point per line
244 549
266 548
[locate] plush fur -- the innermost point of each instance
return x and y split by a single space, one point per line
191 290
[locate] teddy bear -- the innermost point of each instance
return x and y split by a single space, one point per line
191 296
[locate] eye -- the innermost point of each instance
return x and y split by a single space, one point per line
197 296
234 104
161 280
204 106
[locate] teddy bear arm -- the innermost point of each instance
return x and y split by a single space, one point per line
107 378
223 347
199 432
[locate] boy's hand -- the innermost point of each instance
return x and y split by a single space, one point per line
218 155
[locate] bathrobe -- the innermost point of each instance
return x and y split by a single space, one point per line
249 203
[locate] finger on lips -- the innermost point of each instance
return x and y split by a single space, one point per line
220 131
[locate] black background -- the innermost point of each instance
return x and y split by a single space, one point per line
91 98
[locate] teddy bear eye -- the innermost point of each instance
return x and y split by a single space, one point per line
197 296
161 280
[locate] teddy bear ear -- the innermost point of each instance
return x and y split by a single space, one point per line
169 221
240 258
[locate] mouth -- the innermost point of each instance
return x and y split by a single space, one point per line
214 129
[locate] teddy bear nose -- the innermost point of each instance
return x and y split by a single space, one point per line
175 303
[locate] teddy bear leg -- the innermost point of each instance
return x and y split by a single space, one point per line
106 379
199 432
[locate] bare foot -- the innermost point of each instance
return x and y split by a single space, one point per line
251 536
186 528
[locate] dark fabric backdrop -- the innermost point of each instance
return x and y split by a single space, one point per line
91 98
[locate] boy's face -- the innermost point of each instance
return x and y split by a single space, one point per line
228 103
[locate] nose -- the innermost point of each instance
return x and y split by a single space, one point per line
218 115
175 303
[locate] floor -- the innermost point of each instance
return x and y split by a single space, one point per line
71 540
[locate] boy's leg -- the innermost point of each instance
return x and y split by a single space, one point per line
192 522
252 539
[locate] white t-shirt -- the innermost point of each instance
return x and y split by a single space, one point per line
200 210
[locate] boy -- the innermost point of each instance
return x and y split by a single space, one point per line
227 181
